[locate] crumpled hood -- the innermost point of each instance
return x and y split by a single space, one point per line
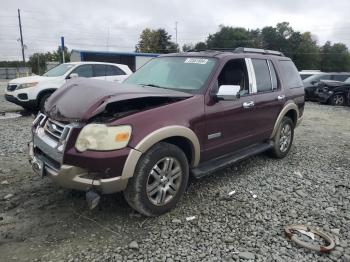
82 98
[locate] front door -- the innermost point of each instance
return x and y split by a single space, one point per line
229 124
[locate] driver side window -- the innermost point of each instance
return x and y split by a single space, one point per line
235 73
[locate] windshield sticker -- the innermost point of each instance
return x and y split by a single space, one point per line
200 61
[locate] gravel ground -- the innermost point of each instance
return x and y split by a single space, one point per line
41 222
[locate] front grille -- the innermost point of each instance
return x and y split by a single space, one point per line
55 130
11 87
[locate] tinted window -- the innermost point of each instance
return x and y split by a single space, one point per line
291 74
84 71
273 75
114 71
99 70
341 78
262 75
303 76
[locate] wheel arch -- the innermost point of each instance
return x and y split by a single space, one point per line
291 110
181 136
44 92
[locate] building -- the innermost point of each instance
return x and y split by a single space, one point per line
131 59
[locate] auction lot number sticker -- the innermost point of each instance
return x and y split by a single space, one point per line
200 61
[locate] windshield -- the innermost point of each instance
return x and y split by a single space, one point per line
58 70
179 73
317 78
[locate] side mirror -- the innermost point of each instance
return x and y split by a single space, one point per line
228 92
73 75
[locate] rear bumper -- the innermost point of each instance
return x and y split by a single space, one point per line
32 104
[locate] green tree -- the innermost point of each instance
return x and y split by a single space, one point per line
187 47
200 46
37 61
335 58
155 41
230 37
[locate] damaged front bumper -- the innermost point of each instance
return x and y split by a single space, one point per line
45 153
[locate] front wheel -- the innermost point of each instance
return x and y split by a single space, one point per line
338 100
283 138
159 181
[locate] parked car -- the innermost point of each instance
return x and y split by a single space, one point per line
32 92
178 115
307 73
311 83
334 93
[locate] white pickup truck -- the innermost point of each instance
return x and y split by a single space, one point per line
31 92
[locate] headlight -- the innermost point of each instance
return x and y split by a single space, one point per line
100 137
26 85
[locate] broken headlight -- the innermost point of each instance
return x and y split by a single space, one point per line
100 137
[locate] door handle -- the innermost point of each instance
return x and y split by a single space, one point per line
282 97
248 104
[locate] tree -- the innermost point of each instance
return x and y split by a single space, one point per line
335 57
37 61
155 41
230 37
187 47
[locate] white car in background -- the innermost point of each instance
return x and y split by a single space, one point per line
31 92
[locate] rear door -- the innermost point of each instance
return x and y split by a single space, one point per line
114 73
99 71
269 98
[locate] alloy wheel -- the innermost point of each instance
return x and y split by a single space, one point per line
338 100
164 181
285 137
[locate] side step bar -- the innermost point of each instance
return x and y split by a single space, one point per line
213 165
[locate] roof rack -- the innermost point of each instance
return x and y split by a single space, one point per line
240 50
257 50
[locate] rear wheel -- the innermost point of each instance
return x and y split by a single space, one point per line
338 100
159 181
283 138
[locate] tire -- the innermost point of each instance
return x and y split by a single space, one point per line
283 136
338 100
42 101
153 192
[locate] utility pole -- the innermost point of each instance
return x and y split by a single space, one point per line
62 49
20 31
177 47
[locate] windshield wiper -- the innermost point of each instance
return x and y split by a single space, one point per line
152 85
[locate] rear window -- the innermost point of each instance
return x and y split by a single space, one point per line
114 71
291 74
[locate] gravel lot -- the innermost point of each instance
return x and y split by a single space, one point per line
41 222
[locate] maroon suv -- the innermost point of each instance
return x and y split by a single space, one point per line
180 115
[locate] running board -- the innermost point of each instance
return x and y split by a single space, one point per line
213 165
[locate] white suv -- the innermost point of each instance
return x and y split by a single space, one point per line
31 92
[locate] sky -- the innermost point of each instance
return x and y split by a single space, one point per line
112 25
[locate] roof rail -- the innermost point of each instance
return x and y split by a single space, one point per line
257 50
240 50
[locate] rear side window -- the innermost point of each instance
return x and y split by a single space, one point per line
262 75
99 70
84 71
341 78
114 71
273 75
291 74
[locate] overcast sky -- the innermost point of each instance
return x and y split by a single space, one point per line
116 25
